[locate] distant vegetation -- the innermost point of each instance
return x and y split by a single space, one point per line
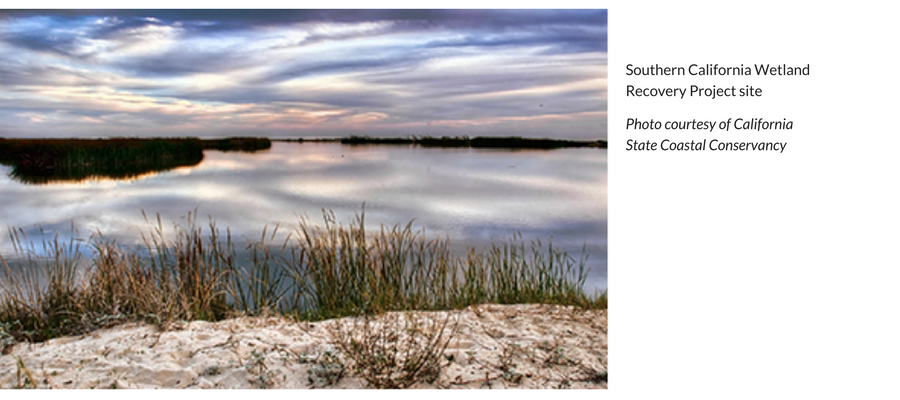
58 160
510 142
75 286
246 144
52 160
356 140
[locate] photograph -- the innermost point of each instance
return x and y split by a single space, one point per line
303 199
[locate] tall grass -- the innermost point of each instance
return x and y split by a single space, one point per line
316 272
41 299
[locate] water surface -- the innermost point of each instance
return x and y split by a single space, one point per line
473 196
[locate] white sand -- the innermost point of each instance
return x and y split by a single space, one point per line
520 346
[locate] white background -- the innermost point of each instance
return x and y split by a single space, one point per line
751 274
740 275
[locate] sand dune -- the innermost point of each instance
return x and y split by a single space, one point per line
494 346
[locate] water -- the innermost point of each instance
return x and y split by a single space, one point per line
473 196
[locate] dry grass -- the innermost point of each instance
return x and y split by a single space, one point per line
396 350
318 272
24 378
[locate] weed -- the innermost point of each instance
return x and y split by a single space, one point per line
257 366
396 350
558 356
470 357
24 379
7 340
327 369
212 370
508 352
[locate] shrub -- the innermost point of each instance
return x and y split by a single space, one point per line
396 350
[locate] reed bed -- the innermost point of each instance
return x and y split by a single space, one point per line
509 142
51 160
243 144
368 140
314 272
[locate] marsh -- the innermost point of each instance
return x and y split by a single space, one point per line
471 196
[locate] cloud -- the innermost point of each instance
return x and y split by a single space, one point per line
304 72
233 19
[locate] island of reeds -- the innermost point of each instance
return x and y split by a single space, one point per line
56 160
244 144
63 287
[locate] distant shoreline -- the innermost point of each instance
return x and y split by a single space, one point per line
47 160
508 142
51 160
261 143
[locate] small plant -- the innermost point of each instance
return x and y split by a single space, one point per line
507 366
24 379
397 350
212 370
305 358
327 369
558 357
7 340
257 366
470 357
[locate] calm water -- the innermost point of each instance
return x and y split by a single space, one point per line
472 196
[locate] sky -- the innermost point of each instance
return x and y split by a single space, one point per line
303 73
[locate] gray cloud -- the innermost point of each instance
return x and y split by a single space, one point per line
288 71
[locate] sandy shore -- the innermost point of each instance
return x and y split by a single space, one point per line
518 346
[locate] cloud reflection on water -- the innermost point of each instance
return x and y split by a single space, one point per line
471 195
